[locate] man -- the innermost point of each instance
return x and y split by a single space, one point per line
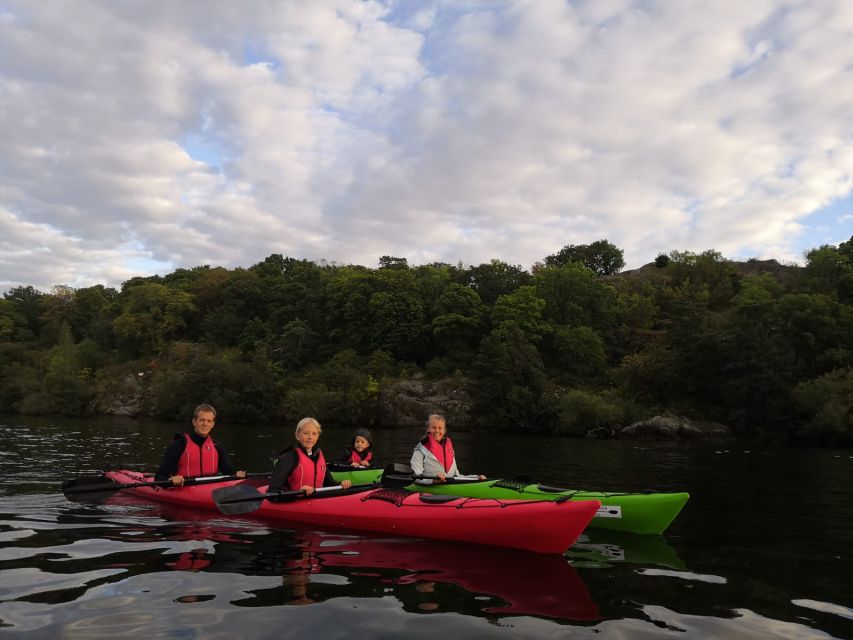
196 454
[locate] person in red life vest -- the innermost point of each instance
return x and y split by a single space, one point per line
196 454
358 454
433 456
303 467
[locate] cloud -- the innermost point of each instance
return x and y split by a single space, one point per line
181 134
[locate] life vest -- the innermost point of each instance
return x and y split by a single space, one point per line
306 471
361 457
189 561
443 453
198 461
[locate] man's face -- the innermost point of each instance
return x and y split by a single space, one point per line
203 423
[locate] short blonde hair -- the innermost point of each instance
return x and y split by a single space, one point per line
305 421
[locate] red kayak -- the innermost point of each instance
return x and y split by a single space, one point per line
516 582
543 527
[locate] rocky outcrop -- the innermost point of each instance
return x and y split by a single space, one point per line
672 426
408 403
122 397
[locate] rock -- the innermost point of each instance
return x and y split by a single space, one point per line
124 397
408 403
672 426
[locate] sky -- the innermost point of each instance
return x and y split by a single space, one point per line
140 136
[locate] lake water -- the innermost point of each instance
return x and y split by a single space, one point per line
762 549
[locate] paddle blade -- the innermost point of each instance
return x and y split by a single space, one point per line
238 499
89 484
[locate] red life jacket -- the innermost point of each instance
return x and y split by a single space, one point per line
198 461
190 562
443 453
357 457
307 472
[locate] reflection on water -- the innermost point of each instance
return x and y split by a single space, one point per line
745 559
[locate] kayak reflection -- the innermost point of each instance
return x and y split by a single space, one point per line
596 548
519 582
421 574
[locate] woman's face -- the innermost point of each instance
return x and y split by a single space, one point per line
360 444
308 436
437 429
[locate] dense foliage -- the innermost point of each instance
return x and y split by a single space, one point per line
570 346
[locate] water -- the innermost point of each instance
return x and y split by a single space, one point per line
762 549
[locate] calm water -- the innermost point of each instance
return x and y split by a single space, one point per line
762 550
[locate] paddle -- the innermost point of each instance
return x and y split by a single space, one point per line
102 484
243 498
399 475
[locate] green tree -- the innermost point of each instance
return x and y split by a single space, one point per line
524 308
508 381
829 270
577 355
151 315
575 296
458 324
28 302
600 257
826 404
495 279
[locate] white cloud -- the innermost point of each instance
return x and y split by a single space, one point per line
457 130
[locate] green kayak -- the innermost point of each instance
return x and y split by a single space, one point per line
632 512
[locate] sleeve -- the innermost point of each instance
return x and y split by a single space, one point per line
284 466
169 464
417 461
225 464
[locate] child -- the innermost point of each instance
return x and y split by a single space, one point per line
358 455
303 468
433 456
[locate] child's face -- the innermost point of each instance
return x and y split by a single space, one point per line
360 444
308 436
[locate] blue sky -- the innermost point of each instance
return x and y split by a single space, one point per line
141 137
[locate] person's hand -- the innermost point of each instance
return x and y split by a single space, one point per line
308 489
354 465
481 477
440 477
240 474
177 480
364 464
346 484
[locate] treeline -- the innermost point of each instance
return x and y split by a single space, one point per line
571 345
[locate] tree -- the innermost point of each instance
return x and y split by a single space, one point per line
578 355
458 324
575 296
29 303
152 314
397 324
827 405
496 279
600 257
523 308
390 262
509 380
